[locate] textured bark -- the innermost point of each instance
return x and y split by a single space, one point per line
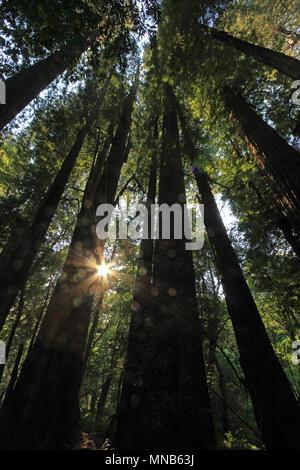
15 268
164 401
272 153
43 412
285 64
268 385
22 88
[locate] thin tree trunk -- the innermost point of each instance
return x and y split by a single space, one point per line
268 385
272 153
15 268
164 402
92 334
44 410
285 64
13 330
39 319
26 85
224 413
103 397
14 375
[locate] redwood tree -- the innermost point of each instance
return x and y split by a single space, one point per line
164 402
285 64
279 160
274 403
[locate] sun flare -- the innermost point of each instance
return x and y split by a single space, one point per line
103 270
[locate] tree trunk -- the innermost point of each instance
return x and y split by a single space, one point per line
293 240
91 334
15 268
224 412
268 385
103 397
22 88
13 330
285 64
44 410
14 375
272 153
164 401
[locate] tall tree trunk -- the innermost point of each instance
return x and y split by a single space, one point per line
44 410
164 401
268 385
91 335
103 397
285 64
15 268
13 330
39 319
272 153
14 375
26 85
140 297
224 395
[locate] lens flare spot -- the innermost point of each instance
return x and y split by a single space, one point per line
103 270
172 292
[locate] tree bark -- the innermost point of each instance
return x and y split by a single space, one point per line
285 64
43 412
272 153
25 86
267 383
15 268
164 401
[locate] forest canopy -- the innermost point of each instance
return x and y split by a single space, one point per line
139 342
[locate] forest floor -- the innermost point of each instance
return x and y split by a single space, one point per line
93 441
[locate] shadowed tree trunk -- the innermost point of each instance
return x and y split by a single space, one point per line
13 330
286 228
43 412
285 64
14 375
16 266
164 402
103 397
272 153
22 88
91 335
268 385
223 390
141 294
